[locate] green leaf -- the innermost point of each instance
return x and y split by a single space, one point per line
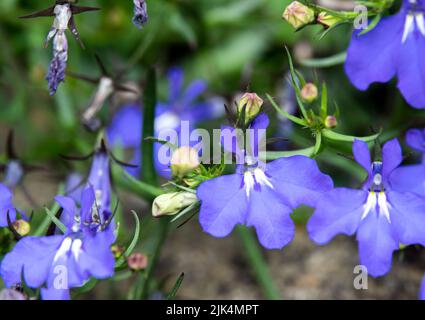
325 62
140 188
331 135
176 287
324 102
290 117
148 168
133 242
55 220
372 25
273 155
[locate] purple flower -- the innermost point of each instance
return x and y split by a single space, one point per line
261 196
181 105
382 217
60 262
140 13
422 290
57 67
6 206
395 47
411 178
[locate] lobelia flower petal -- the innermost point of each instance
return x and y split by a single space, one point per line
97 259
373 57
192 92
32 257
224 204
362 155
52 294
377 242
338 212
415 138
391 157
70 210
408 217
409 179
298 180
87 201
271 218
175 83
422 290
126 127
411 69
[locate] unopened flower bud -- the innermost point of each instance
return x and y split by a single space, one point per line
298 14
22 227
183 161
137 261
327 20
309 93
331 122
117 250
251 103
172 203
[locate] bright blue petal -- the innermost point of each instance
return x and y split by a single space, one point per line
31 256
271 218
6 206
409 179
55 294
408 217
422 290
175 83
415 138
338 212
411 69
224 204
377 242
373 57
126 127
391 157
298 180
362 155
87 200
70 209
193 91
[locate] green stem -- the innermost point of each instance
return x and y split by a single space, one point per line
258 265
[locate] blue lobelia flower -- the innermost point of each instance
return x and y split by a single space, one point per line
411 178
140 13
57 67
258 195
181 105
60 262
6 206
422 290
381 217
395 47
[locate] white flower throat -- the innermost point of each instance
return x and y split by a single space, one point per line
377 200
414 19
256 176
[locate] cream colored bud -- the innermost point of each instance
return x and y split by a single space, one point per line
309 93
331 122
172 203
298 14
252 104
22 227
183 161
327 20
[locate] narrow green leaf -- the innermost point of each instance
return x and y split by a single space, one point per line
318 144
331 135
325 62
372 25
290 117
189 209
133 242
176 287
55 220
148 168
324 102
273 155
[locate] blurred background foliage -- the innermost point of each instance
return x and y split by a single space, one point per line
235 45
